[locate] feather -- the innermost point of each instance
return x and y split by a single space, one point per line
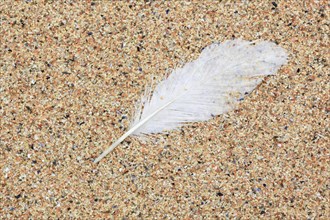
211 85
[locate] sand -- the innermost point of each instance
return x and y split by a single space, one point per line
71 72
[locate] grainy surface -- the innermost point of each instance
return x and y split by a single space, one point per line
71 71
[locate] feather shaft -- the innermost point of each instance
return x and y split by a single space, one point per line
128 133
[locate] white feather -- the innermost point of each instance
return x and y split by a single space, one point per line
211 85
